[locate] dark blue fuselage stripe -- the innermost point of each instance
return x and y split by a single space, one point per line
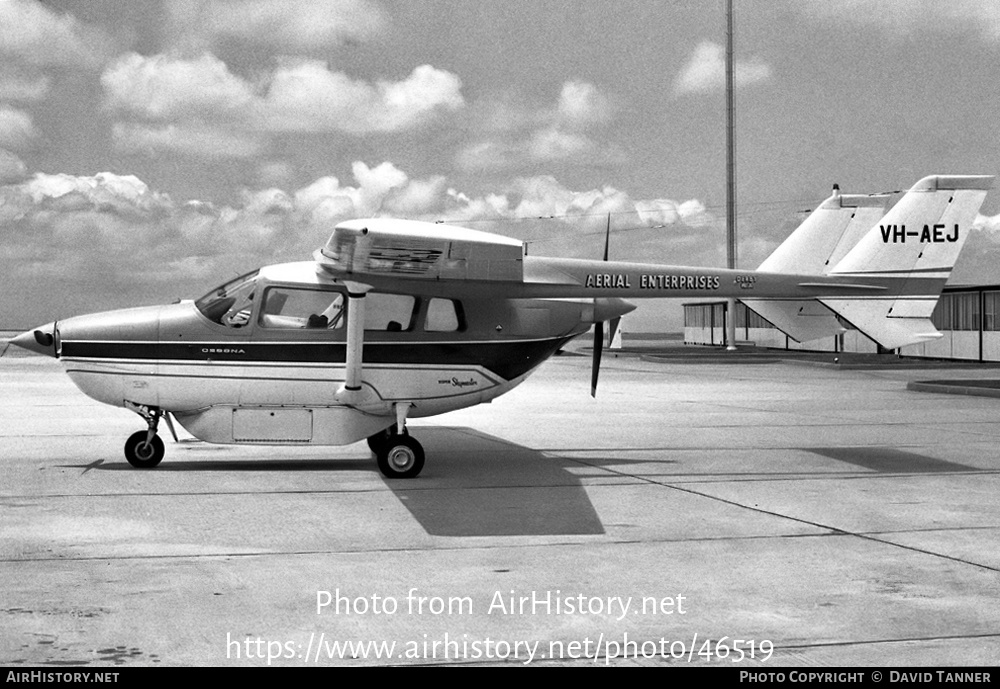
506 359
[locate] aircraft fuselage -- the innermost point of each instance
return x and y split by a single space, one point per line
269 366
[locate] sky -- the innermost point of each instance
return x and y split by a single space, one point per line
152 149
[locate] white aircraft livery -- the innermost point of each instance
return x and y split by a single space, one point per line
399 319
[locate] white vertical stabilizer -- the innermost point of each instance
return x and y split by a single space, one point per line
918 240
828 234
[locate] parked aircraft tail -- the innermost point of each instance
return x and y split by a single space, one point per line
914 247
819 243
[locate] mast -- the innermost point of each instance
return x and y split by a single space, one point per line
731 257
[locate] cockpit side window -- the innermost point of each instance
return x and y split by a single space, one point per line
294 308
231 303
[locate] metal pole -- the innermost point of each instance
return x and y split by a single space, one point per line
730 175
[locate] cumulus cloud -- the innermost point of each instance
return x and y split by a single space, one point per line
17 130
308 96
21 87
706 71
198 106
275 173
977 264
194 139
519 136
555 144
163 88
12 168
580 103
290 27
903 17
105 191
66 225
326 200
33 34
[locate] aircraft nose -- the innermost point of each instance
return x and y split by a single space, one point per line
41 340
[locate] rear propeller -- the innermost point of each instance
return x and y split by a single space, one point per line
595 369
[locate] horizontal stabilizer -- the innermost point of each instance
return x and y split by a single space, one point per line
822 239
869 316
803 321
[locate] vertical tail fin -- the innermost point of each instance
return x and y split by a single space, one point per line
917 244
819 243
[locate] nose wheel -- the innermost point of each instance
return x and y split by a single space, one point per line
144 449
143 453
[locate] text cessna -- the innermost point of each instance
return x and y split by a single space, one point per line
653 281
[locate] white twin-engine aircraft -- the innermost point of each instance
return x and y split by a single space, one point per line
396 319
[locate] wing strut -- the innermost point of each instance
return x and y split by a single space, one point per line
355 341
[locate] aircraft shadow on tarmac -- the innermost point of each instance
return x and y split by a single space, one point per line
890 460
474 484
487 486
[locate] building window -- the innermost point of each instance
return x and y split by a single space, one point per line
991 306
965 311
941 318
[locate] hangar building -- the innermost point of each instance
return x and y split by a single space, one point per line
966 317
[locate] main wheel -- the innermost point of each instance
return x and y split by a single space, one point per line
401 456
377 441
143 455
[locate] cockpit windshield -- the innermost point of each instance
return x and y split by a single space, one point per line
231 303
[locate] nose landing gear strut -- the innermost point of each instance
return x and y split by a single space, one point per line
144 449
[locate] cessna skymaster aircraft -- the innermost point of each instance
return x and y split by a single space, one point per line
398 319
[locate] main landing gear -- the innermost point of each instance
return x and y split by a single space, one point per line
397 453
144 449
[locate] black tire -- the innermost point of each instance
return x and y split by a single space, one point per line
142 455
377 441
400 457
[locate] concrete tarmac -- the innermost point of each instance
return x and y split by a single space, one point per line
757 515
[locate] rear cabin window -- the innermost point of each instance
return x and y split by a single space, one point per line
291 308
442 316
389 312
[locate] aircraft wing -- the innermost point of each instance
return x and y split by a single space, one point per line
433 259
413 250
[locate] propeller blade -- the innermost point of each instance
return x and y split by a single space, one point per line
595 370
613 323
598 346
607 238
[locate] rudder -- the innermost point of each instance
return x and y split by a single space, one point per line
919 240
